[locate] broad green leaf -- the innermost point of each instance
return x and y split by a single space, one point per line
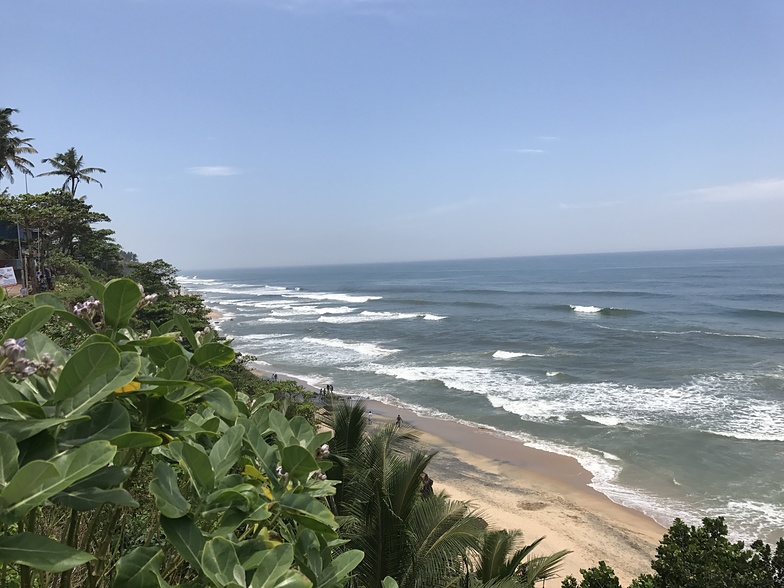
298 462
336 572
294 579
22 409
175 369
223 404
107 421
271 565
389 582
197 464
48 299
103 386
220 563
136 439
9 458
40 447
40 553
140 569
161 354
30 487
85 365
107 477
31 321
219 382
214 354
83 325
21 430
39 480
168 497
225 453
185 328
91 498
95 287
151 341
309 512
159 411
120 298
186 537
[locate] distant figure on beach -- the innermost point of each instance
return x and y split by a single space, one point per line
275 377
370 416
398 422
427 486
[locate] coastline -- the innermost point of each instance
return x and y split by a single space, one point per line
520 487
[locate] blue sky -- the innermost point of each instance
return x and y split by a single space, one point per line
297 132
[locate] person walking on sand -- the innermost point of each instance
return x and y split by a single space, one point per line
370 416
398 422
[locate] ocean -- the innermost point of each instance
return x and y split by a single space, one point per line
662 373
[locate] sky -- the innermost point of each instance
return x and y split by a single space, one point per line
259 133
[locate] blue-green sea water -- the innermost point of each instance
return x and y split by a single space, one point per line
662 373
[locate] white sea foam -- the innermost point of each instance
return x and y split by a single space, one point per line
307 309
367 316
585 309
433 317
608 421
367 349
507 354
554 374
332 296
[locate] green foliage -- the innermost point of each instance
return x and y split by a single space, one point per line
601 576
228 492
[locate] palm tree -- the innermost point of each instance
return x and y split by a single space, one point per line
498 566
71 165
415 540
11 147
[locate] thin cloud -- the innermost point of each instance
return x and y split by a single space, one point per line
770 189
528 151
214 170
584 205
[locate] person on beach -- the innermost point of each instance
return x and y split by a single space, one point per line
398 422
427 486
370 416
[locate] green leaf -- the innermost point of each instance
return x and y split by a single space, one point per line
91 498
185 328
389 582
160 354
298 462
336 572
40 553
30 487
186 537
9 458
153 341
159 411
107 421
175 369
309 512
37 481
103 386
168 497
87 364
214 354
225 453
21 430
83 325
199 468
95 287
106 477
220 563
120 298
29 322
48 299
140 569
136 439
272 565
223 404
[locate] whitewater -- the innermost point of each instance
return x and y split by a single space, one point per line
662 373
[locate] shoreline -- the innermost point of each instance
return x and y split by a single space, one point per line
521 487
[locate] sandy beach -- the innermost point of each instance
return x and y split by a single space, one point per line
543 494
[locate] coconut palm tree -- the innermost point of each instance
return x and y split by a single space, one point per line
417 541
71 166
497 564
12 147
